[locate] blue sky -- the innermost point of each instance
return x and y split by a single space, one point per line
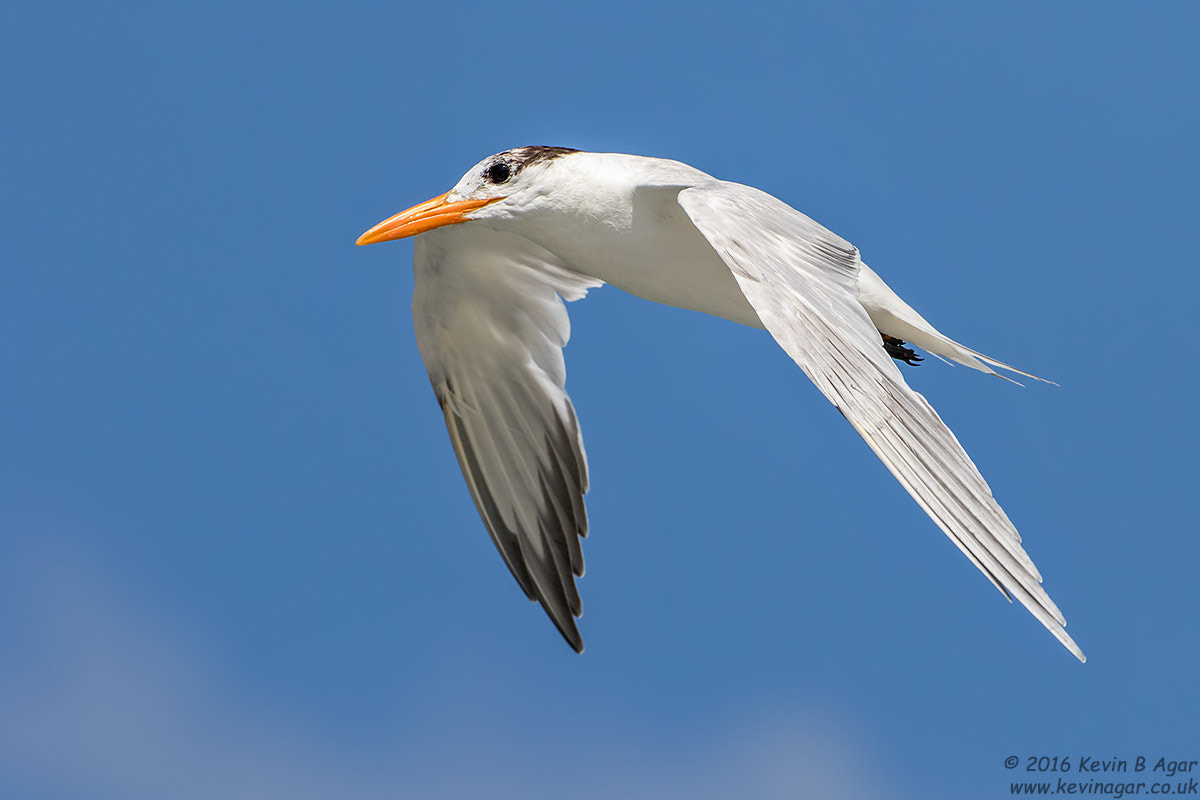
237 558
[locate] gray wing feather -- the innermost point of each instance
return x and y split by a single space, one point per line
491 324
801 280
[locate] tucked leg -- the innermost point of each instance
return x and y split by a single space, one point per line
896 349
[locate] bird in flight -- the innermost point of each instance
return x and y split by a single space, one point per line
526 229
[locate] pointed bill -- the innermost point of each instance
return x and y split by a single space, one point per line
431 214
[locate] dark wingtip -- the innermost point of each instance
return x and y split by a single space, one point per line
573 638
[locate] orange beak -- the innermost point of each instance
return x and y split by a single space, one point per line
424 217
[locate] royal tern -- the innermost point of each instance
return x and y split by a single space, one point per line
546 224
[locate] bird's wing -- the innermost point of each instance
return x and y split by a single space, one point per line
801 280
491 324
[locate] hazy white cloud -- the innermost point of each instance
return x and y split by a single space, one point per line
103 700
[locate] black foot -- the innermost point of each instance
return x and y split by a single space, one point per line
896 349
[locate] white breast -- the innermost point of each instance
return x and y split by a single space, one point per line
651 248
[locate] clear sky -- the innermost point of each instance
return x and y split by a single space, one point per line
237 558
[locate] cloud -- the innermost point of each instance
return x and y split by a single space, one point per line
103 699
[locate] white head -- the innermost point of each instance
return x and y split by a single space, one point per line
503 186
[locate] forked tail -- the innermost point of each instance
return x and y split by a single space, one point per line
897 318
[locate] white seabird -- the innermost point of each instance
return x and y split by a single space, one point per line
548 223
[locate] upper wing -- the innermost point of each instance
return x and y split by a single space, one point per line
801 279
491 325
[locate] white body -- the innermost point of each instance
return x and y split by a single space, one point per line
490 325
641 240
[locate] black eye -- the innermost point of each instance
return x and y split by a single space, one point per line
498 172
